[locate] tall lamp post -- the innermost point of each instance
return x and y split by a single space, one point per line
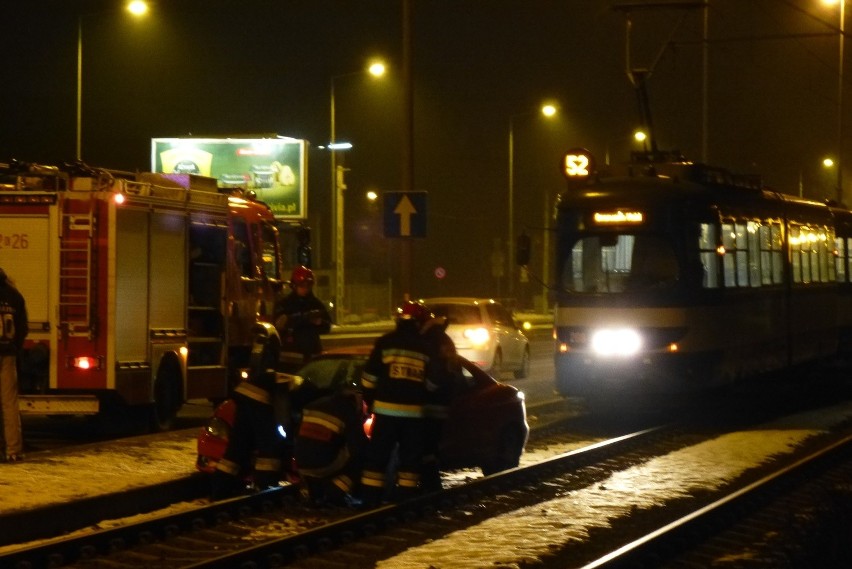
137 8
376 69
548 110
842 36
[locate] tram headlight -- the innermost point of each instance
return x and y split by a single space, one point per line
616 342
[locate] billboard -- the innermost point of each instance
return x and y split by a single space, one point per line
274 168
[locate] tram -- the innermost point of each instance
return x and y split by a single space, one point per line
673 277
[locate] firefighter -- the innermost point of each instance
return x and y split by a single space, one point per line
330 445
396 379
300 318
255 435
13 329
448 374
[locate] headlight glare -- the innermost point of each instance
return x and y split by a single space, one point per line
478 336
616 342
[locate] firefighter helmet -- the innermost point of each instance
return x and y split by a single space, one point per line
301 275
413 310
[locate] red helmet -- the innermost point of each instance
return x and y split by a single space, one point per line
412 310
301 275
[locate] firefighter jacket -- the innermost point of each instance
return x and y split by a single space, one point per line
13 319
331 435
398 375
295 318
446 367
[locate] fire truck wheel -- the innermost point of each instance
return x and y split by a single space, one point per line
167 398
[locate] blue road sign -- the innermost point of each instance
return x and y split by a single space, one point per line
405 214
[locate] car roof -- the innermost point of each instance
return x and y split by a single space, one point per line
356 350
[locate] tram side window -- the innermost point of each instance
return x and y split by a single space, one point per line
752 255
742 253
729 242
841 259
826 252
849 257
771 268
755 278
777 243
709 258
844 258
809 253
795 254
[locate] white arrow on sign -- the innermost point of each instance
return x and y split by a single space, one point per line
405 209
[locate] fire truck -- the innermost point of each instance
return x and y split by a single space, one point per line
142 289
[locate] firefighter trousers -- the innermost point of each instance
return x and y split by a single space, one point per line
254 440
430 475
405 435
10 435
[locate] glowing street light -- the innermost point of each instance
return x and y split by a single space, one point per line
376 68
137 8
548 110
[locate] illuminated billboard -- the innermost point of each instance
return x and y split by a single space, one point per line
274 168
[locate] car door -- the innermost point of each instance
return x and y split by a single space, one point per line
504 328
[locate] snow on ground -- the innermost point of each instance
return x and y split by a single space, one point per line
61 476
522 537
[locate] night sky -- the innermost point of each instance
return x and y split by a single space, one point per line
251 67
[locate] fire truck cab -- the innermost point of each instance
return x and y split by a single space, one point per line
142 289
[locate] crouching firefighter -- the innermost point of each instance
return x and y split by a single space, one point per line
330 446
255 439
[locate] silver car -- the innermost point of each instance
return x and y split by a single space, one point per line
485 333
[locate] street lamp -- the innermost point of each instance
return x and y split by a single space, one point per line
547 110
842 35
138 8
375 69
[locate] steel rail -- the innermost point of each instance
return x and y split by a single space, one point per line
321 539
680 534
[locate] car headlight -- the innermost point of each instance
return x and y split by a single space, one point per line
616 342
478 336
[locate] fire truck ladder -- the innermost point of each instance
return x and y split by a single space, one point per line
76 238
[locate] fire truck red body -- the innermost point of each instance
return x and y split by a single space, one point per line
142 289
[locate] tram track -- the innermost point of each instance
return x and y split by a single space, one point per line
187 539
775 521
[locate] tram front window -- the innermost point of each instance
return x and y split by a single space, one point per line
620 263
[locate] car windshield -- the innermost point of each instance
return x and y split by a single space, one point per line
619 263
458 313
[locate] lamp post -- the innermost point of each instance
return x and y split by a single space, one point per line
137 8
842 35
376 69
548 110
